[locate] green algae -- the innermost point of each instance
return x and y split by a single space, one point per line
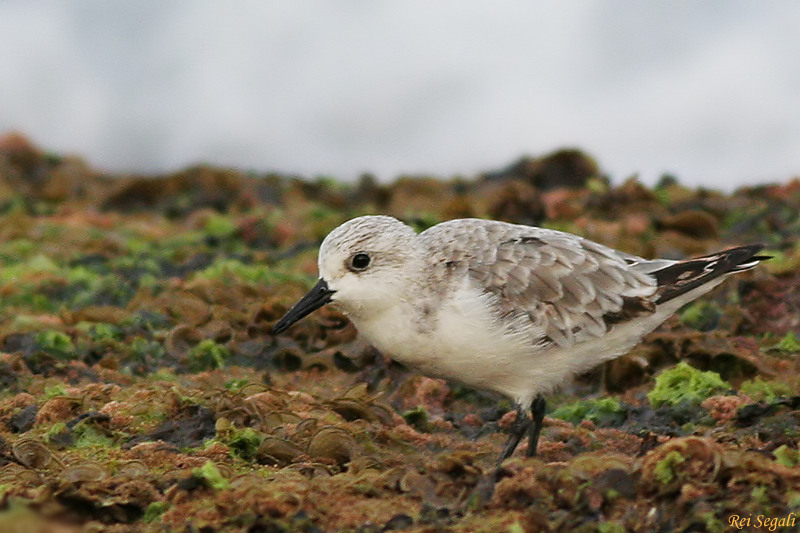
34 266
787 456
713 524
100 332
760 495
154 511
227 268
611 527
665 468
684 383
16 250
52 391
597 185
100 290
702 315
602 411
784 262
761 390
220 226
163 374
424 221
55 430
143 263
211 476
208 355
42 284
230 269
516 527
147 350
418 418
31 284
236 385
31 299
148 321
789 343
243 443
88 436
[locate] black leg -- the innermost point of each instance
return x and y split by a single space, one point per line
521 425
485 487
537 412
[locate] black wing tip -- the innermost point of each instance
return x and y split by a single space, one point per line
756 247
753 248
744 258
689 274
730 258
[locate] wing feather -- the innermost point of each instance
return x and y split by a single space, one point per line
563 285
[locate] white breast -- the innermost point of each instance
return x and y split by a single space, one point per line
465 343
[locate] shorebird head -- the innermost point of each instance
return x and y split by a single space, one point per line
364 266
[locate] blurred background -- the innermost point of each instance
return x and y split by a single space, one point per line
704 90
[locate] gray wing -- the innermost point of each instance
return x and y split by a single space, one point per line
569 288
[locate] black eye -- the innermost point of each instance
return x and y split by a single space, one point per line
360 261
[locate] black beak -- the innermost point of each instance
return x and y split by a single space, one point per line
316 298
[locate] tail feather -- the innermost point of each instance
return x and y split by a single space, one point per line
683 276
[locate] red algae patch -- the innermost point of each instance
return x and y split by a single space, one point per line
725 408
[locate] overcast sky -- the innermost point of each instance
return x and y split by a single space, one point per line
706 90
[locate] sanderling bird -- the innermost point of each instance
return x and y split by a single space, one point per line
502 307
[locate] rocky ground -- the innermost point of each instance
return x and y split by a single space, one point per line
141 388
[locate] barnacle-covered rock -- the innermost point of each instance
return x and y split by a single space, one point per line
180 340
32 453
333 444
305 430
682 460
133 469
274 450
277 419
83 472
351 409
312 470
15 474
190 309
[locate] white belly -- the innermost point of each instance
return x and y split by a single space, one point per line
466 343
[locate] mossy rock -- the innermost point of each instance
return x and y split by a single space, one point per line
684 383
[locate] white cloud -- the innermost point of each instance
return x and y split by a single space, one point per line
705 90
